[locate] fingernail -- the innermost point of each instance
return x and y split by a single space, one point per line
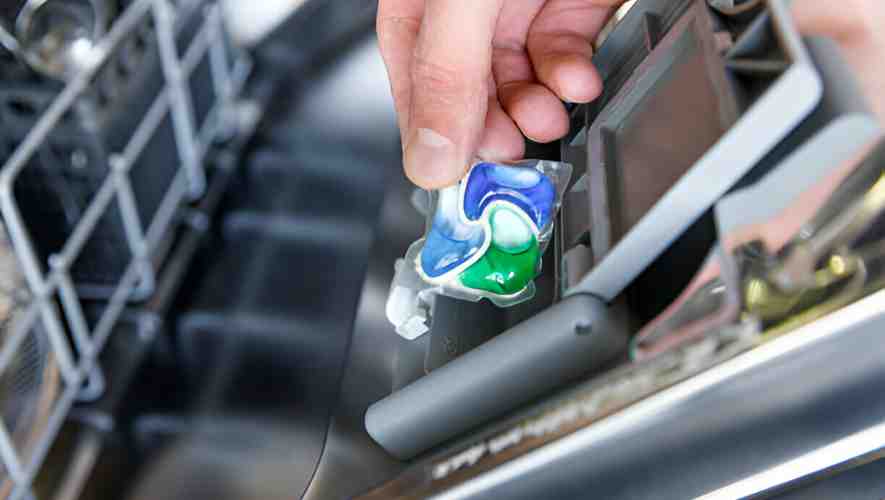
576 79
431 159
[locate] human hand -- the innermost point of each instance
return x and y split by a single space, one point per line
858 26
470 77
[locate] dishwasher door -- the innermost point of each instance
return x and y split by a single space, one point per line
248 372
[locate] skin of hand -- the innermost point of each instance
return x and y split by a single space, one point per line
858 26
470 77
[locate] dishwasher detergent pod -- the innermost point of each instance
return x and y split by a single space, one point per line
486 235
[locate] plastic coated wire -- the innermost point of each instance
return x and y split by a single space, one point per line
47 348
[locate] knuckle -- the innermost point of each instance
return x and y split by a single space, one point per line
444 85
391 28
434 75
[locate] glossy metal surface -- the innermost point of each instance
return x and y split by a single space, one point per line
379 358
779 403
379 361
285 358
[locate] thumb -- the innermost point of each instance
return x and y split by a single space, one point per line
449 95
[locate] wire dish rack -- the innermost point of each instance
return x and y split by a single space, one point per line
52 308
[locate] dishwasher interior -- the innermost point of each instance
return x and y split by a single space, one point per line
218 326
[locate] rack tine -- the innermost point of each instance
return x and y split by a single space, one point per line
57 296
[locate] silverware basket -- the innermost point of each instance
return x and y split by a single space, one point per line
95 173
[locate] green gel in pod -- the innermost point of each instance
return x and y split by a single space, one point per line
511 261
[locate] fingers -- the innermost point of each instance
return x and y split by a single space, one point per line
559 44
397 26
538 113
501 140
535 109
859 28
449 93
441 54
